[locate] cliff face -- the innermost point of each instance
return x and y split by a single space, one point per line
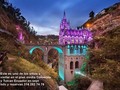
105 48
106 20
11 18
6 23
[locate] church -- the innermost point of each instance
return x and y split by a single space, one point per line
75 43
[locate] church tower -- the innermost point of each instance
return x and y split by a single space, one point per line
64 25
75 43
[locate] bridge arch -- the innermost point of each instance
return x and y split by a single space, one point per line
38 51
59 50
35 47
45 49
60 60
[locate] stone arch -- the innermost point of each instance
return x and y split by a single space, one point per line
60 61
42 49
35 47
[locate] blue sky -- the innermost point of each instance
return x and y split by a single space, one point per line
45 15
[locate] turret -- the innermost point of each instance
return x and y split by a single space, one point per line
64 23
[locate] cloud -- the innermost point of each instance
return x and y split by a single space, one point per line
41 30
45 15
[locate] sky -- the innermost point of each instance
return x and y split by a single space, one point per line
45 15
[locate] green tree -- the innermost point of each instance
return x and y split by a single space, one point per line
91 14
105 60
79 83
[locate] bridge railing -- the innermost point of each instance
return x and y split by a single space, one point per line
32 44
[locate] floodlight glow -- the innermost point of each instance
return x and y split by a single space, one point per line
61 62
73 36
58 49
79 73
32 49
20 36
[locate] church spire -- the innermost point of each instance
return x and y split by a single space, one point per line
64 23
64 15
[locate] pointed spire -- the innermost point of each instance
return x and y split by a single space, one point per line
64 15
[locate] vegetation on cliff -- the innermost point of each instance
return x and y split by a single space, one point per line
104 63
19 59
20 65
105 60
11 16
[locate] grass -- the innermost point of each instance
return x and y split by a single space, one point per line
22 65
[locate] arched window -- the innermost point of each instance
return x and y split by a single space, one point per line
71 49
81 49
71 65
76 64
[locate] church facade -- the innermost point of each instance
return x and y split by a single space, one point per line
75 43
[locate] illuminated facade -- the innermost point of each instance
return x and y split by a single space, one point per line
75 43
72 36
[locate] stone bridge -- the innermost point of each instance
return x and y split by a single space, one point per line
45 49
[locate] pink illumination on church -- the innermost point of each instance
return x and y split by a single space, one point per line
73 36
